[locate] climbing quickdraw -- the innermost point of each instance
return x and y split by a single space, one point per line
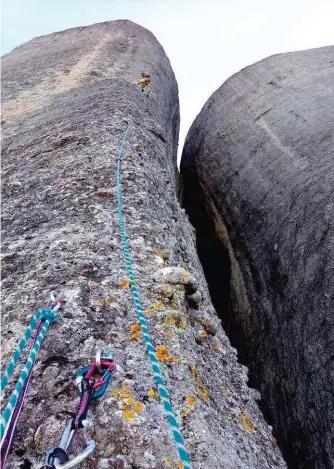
89 389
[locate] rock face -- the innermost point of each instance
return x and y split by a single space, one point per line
258 186
64 102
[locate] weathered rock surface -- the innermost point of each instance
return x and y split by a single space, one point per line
258 172
63 100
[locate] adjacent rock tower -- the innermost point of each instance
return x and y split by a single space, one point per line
258 170
66 100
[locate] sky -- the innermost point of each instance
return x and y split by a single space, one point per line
206 41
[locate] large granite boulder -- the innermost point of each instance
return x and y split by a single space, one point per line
258 173
67 98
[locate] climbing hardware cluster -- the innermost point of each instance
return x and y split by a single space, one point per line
89 388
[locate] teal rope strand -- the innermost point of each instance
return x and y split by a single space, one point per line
164 395
17 354
48 316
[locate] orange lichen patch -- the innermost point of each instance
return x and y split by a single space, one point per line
125 284
158 306
155 251
245 421
191 400
165 290
107 301
163 356
217 349
180 465
202 337
184 265
136 332
201 389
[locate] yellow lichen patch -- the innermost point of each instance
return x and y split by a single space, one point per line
174 319
136 332
168 463
201 389
107 301
245 421
164 254
186 411
58 161
130 407
125 284
121 393
153 394
228 419
129 415
149 311
191 400
163 355
184 265
158 306
185 277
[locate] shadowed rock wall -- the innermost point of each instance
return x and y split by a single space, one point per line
258 181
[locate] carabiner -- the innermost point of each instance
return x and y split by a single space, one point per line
70 462
102 354
102 383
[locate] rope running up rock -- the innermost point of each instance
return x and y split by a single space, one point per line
164 395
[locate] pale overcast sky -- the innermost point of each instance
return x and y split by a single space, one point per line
206 40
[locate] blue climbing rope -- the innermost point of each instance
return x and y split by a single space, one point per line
164 395
48 316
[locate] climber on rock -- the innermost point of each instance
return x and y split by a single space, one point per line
144 81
